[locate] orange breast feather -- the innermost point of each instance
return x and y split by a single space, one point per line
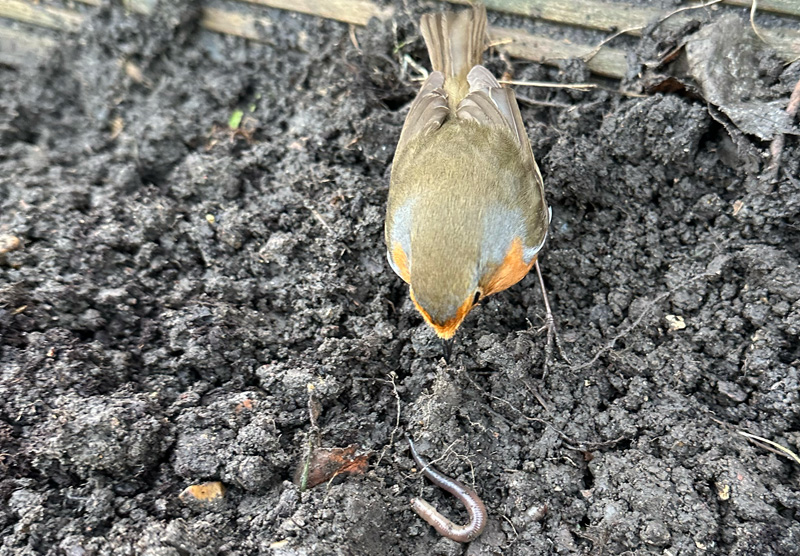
511 270
401 261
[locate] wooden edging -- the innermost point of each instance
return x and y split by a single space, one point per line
628 19
357 12
608 62
595 14
613 16
41 15
18 48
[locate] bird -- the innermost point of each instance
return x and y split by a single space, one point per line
466 214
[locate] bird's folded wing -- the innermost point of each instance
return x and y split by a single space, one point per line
490 104
428 111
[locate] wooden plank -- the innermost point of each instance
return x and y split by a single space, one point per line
784 41
233 23
592 14
357 12
783 7
606 16
41 15
19 49
609 15
213 19
144 7
609 62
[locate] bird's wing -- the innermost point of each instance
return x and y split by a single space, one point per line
488 103
491 104
428 111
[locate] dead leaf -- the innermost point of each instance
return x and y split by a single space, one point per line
325 463
723 60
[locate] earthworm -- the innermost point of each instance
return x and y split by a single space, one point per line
467 496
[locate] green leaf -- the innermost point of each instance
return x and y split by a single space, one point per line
236 119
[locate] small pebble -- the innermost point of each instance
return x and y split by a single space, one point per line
203 492
9 243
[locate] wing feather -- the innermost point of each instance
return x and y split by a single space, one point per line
490 104
428 111
487 100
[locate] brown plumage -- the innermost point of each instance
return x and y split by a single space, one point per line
466 215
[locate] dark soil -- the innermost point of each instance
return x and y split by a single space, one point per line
190 304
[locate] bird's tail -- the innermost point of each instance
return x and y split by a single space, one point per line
455 41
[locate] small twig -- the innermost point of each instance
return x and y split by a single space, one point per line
443 456
420 69
597 49
599 543
512 525
325 225
687 8
646 311
353 38
319 218
569 443
549 85
471 466
499 42
776 448
397 400
537 395
546 103
753 8
392 377
776 146
768 445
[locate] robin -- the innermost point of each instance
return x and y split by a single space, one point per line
466 216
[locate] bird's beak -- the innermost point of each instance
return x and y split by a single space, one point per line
447 329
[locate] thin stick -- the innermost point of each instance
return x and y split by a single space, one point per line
596 49
572 444
546 103
776 146
392 377
646 311
549 85
537 395
610 62
594 52
781 450
753 8
443 456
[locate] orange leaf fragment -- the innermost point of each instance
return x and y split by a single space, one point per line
325 463
203 492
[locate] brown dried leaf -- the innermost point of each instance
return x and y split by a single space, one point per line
325 463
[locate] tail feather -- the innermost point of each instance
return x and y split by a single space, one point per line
455 41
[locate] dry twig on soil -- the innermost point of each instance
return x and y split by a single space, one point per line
776 147
771 446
